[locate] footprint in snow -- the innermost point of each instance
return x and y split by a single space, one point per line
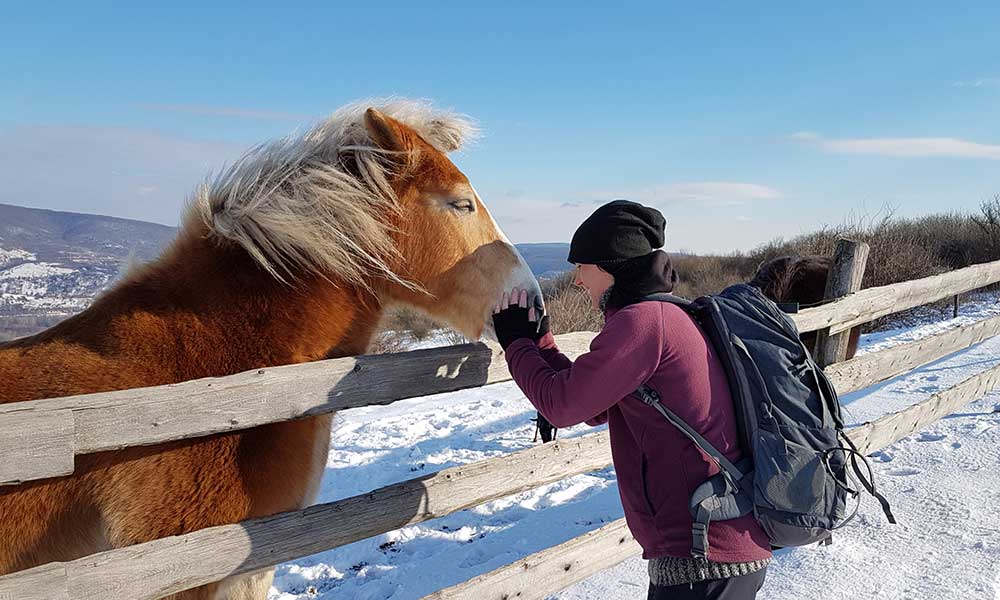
930 437
904 472
882 456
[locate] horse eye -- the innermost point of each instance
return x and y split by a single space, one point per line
463 205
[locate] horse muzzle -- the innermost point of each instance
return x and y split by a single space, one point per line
520 277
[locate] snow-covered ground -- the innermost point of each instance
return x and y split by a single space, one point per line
14 254
29 286
944 483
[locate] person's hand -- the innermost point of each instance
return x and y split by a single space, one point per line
513 319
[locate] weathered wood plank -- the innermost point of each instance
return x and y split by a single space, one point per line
47 582
869 369
891 428
145 416
539 575
872 303
168 565
846 273
35 446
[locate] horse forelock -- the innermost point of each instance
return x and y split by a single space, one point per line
322 202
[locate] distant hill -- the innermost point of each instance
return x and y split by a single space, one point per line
53 263
59 236
545 260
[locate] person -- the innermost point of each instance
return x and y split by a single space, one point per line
618 263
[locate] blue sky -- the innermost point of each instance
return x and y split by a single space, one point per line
741 122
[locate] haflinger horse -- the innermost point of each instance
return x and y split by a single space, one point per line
290 255
801 280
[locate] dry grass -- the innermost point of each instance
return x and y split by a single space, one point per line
569 307
701 275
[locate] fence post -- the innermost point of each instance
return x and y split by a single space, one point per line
846 272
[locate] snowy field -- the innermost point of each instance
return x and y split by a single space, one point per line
944 483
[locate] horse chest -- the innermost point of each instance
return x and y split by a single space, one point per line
286 466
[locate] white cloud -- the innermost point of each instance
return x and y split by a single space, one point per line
978 83
133 173
720 228
704 193
804 136
903 147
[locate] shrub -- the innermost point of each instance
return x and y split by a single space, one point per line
569 307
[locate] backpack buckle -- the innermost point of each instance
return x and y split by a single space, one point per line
699 535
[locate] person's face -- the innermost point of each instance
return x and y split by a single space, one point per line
594 280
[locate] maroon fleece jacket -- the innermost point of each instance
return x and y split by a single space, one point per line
657 467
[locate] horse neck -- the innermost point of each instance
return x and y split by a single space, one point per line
218 312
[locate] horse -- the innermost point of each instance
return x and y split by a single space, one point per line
292 254
802 280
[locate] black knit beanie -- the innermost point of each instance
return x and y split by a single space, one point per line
616 232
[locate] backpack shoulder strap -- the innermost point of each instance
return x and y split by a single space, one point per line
731 472
707 499
670 299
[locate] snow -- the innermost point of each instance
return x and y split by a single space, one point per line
402 341
12 254
32 270
47 288
944 483
27 285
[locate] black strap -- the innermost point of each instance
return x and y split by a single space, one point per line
867 482
699 531
670 298
730 471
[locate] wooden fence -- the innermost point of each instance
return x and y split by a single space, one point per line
40 439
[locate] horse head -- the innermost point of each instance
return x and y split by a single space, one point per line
453 258
369 199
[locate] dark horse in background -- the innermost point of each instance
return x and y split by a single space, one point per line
802 280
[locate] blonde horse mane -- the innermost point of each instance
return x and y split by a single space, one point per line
319 202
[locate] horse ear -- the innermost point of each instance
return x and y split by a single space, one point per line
384 131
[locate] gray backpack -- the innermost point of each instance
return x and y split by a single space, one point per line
795 475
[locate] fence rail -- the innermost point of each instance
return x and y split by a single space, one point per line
90 423
871 303
534 577
82 424
868 369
